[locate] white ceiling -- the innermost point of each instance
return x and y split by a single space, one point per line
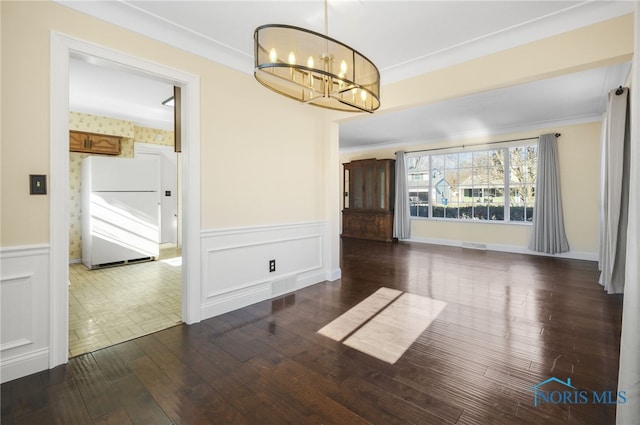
571 99
403 38
100 89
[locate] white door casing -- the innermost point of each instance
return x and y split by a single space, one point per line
62 47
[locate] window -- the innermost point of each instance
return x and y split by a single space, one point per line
418 185
522 182
474 185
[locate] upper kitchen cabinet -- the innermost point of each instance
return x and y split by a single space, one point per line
94 143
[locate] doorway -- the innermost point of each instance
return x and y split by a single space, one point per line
62 49
109 305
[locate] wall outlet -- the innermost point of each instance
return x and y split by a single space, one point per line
272 266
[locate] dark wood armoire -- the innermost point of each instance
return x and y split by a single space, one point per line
368 199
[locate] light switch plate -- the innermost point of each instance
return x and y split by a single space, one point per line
38 184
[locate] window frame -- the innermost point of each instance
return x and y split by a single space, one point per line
507 185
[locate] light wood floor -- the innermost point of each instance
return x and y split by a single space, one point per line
511 322
112 305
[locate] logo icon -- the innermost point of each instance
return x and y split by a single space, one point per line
539 394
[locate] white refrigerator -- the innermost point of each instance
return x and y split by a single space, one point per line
120 211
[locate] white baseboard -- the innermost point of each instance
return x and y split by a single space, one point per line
333 275
233 300
514 249
24 364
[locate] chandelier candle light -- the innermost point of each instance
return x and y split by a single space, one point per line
314 68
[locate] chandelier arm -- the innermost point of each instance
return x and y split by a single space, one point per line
317 73
288 80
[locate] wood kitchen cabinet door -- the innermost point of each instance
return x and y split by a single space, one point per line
94 143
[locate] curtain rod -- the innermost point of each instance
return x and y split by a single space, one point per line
479 144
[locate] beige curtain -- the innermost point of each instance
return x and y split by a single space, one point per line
614 204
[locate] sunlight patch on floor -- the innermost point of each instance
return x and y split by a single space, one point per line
385 324
175 262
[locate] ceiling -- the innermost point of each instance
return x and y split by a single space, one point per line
571 99
100 89
403 38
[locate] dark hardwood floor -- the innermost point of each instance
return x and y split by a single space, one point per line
511 322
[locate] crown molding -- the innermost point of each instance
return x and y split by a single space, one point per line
130 17
569 19
474 134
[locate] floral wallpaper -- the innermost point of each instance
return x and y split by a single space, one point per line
112 127
152 135
100 125
75 225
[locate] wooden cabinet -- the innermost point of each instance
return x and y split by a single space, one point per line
369 196
94 143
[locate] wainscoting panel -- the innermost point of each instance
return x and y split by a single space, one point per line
236 264
24 291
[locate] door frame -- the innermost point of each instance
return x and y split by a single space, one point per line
62 48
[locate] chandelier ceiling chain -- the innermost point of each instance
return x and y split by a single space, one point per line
307 74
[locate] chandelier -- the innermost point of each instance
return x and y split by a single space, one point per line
314 68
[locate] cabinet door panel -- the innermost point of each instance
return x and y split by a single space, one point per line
94 143
381 186
77 142
369 186
105 144
356 182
